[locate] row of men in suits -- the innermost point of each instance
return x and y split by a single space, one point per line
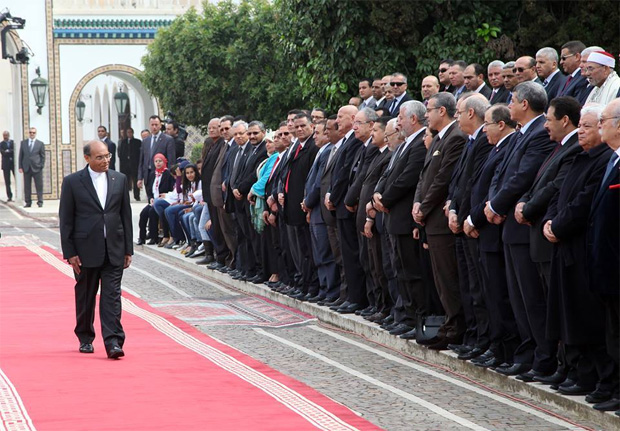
364 216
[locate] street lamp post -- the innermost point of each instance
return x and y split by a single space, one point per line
39 89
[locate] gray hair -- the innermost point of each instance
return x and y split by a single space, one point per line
509 65
548 52
495 63
447 101
240 123
534 93
592 108
394 123
501 112
589 50
370 114
413 107
478 104
615 113
394 75
260 125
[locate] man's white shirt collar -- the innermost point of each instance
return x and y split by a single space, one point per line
443 131
528 124
567 137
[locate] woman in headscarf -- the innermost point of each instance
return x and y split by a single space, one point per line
158 184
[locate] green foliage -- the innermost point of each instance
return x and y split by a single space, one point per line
225 61
487 32
196 153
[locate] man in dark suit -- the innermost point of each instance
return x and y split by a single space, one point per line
570 59
7 149
430 198
247 177
603 239
509 77
525 70
398 83
474 80
31 163
499 93
443 76
172 130
300 161
102 132
513 178
548 72
328 271
334 201
503 334
158 142
562 120
470 113
129 158
95 233
457 81
394 197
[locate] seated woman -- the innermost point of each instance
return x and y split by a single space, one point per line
158 184
186 199
163 202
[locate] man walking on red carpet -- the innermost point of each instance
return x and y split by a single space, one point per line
96 237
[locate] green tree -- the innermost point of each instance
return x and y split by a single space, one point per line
225 61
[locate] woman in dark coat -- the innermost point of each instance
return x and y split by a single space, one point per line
574 312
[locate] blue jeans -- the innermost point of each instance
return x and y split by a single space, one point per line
173 215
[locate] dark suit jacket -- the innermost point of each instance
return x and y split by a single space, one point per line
220 173
486 91
32 161
575 88
7 148
469 166
129 155
432 189
490 234
603 239
209 162
164 145
329 217
545 186
405 98
179 147
166 184
235 177
516 174
500 96
397 187
112 149
82 220
341 174
312 193
358 173
297 173
555 86
375 169
248 175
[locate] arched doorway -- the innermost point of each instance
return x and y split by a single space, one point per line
98 88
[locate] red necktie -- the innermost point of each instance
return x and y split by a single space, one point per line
544 165
289 171
570 77
275 165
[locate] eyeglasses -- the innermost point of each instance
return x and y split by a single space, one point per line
283 134
602 120
104 157
592 68
432 109
387 135
359 123
396 84
253 133
487 124
564 57
443 70
520 69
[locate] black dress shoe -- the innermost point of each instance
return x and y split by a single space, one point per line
327 301
368 312
428 341
489 362
86 348
460 348
555 378
377 317
473 353
351 308
224 270
140 241
566 383
40 204
514 369
152 242
115 352
389 319
598 396
576 389
408 335
484 357
337 306
608 406
529 376
27 205
316 298
359 312
400 329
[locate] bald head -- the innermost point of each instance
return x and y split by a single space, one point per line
97 156
345 118
430 86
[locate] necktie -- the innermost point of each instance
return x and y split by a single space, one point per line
545 83
332 154
570 78
275 165
30 145
608 171
493 95
289 170
544 165
396 155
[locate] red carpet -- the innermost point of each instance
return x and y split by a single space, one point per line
173 378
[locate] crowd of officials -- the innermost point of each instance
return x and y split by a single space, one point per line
482 218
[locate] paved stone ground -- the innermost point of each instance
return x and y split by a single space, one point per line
387 388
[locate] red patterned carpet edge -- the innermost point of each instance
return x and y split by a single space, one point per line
173 377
